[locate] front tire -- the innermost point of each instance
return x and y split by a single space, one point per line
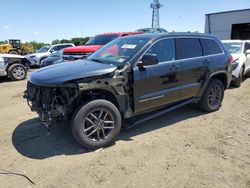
17 72
213 96
96 124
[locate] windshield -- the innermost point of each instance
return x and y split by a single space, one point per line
119 51
101 39
43 49
234 47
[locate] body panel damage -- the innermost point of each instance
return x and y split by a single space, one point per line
59 103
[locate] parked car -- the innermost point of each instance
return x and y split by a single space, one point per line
83 51
130 76
14 66
152 30
52 59
36 58
240 51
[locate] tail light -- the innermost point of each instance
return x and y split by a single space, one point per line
231 59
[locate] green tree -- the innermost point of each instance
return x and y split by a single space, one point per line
79 41
65 41
56 41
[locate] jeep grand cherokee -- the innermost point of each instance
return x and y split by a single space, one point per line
141 74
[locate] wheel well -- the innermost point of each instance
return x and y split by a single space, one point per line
12 63
222 77
100 94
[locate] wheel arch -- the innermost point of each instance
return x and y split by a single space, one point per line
222 76
120 101
11 63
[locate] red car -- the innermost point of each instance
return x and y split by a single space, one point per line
79 52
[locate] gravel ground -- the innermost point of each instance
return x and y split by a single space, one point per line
184 148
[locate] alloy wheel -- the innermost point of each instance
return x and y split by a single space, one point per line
98 125
215 97
18 72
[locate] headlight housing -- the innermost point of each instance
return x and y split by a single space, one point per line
6 60
235 64
32 56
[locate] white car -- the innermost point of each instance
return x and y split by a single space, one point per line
36 58
13 66
240 50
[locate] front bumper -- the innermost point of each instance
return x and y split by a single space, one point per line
33 61
51 104
235 70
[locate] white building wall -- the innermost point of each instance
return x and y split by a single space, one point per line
221 23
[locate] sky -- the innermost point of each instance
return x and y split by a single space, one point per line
46 20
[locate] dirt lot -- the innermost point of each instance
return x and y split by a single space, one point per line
184 148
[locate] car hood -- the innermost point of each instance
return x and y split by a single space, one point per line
12 56
38 54
58 74
85 48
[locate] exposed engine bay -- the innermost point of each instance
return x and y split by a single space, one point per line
60 102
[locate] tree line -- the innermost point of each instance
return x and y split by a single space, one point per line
33 45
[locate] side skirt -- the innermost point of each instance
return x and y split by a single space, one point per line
158 113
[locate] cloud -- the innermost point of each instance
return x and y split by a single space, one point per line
78 33
37 33
6 27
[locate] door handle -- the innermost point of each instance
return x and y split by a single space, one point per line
174 67
207 61
177 67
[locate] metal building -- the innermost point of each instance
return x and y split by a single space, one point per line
229 25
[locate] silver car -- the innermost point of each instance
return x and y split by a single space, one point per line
36 58
240 50
13 66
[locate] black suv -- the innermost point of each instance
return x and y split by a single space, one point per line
130 76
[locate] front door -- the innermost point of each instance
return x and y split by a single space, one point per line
159 84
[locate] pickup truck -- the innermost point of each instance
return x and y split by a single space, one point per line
83 51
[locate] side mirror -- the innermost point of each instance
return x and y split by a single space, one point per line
52 51
247 52
148 59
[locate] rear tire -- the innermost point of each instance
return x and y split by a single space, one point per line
17 72
237 82
213 96
96 124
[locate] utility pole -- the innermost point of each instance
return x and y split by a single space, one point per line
156 16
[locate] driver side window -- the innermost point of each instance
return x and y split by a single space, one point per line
164 49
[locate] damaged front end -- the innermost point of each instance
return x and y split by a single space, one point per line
51 103
59 103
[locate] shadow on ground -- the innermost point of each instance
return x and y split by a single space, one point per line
4 79
32 139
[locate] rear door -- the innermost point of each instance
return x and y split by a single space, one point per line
194 66
157 85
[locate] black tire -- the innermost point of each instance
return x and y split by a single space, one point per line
95 125
213 96
13 52
237 82
17 72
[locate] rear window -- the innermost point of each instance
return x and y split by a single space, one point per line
210 47
188 48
